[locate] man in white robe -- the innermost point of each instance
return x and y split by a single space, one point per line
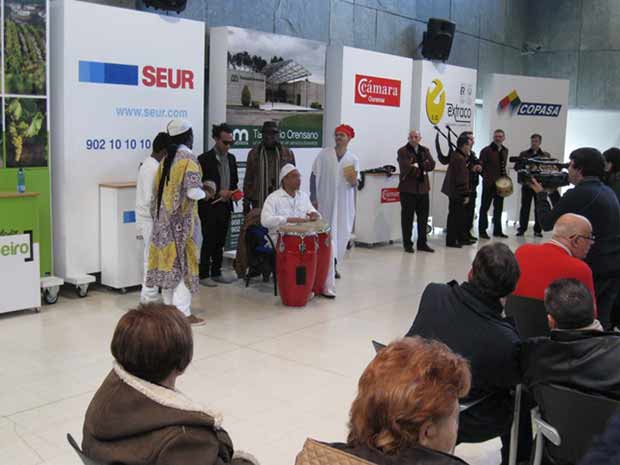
332 188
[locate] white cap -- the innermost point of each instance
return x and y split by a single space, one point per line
286 169
178 126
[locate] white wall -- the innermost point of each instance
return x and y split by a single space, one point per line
592 128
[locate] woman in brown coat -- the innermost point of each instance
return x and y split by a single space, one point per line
406 411
137 417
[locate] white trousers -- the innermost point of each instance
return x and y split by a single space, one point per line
330 282
180 297
148 294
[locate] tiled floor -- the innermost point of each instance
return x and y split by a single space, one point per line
279 375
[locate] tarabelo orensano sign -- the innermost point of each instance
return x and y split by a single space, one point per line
372 90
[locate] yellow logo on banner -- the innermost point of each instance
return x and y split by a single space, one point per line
435 101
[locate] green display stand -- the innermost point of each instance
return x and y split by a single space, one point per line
15 210
20 213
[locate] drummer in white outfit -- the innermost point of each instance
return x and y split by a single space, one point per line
287 205
144 220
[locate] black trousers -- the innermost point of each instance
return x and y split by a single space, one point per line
214 219
489 195
470 213
418 204
607 291
492 418
457 221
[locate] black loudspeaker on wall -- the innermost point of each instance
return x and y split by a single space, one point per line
167 5
437 40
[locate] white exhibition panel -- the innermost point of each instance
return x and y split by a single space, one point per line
118 77
542 109
442 95
121 252
371 92
592 128
19 273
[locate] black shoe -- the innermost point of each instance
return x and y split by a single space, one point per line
328 296
502 235
520 233
337 275
425 248
454 245
484 235
538 234
467 242
409 249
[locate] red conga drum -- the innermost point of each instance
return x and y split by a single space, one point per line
324 255
296 256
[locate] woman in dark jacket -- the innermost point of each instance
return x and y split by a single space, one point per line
137 417
407 407
612 169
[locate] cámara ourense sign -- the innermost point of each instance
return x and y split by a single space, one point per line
372 90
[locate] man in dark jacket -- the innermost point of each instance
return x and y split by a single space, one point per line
527 194
468 319
599 204
415 161
218 167
493 158
475 168
578 354
456 187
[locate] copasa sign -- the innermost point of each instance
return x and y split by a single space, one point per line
96 72
513 102
372 90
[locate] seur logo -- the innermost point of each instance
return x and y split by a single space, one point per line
435 101
96 72
372 90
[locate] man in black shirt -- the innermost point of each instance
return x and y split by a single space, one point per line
469 319
527 194
218 167
599 204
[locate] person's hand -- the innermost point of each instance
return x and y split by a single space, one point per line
352 179
414 163
465 200
226 194
477 168
296 220
313 216
535 185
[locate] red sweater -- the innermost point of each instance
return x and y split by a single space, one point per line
542 264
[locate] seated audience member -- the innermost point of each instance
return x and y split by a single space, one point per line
612 169
407 407
469 319
561 257
137 416
578 354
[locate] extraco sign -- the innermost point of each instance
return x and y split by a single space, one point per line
372 90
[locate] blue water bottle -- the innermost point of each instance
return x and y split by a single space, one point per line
21 181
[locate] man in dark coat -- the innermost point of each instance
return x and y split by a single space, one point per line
219 167
263 167
599 204
578 354
456 186
493 158
468 319
415 161
527 194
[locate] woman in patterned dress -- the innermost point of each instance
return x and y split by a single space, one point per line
175 245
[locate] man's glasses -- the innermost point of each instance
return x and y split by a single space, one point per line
590 238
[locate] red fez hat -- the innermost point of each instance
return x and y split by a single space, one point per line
346 129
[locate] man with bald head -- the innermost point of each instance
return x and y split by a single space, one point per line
415 162
560 258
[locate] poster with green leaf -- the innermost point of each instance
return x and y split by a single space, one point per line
26 132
